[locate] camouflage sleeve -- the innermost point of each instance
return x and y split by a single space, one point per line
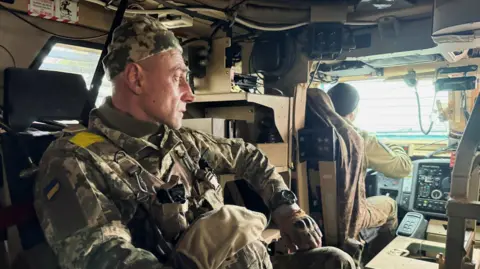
392 161
237 157
80 223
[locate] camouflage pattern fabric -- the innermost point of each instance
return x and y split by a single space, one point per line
324 258
355 210
136 40
85 202
252 256
255 256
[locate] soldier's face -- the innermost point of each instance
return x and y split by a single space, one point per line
166 91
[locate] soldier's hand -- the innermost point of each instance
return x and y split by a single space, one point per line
300 231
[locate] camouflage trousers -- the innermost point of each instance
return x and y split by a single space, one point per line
255 256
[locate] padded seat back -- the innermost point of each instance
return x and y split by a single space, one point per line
341 169
29 96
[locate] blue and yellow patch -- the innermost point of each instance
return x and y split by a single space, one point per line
51 189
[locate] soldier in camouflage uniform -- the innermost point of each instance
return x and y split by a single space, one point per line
138 191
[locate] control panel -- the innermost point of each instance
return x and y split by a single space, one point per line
389 187
426 190
431 186
413 225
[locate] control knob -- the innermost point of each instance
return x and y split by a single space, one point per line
437 194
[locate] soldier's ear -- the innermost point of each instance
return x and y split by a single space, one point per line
134 78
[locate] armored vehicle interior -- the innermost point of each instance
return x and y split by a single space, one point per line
414 63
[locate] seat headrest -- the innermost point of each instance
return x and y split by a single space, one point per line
36 95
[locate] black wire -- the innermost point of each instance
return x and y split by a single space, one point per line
46 31
420 115
277 90
464 106
314 73
188 41
444 149
215 30
11 55
185 10
433 143
203 4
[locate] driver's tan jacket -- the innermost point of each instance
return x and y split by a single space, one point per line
390 160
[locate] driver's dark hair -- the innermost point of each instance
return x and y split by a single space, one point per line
344 98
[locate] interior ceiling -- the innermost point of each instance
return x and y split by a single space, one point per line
257 16
281 12
203 18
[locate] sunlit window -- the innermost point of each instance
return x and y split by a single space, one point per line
77 60
389 108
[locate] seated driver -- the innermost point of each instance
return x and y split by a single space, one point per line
390 160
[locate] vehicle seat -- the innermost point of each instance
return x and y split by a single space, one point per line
33 96
335 155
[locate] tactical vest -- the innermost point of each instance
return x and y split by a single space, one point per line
161 209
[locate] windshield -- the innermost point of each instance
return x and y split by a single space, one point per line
389 109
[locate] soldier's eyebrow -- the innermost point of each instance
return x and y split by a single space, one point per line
179 67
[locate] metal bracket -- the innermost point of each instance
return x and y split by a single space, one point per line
388 27
317 144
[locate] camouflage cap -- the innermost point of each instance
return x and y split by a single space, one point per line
135 40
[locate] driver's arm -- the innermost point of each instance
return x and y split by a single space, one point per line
390 160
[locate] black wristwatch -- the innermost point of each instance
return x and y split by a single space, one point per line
283 197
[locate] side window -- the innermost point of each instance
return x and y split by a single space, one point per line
73 57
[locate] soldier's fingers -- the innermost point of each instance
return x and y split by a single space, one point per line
319 235
310 223
313 237
317 229
305 240
318 239
289 243
312 241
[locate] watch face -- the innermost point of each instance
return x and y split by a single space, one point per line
289 196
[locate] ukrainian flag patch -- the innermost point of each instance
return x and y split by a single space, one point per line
51 189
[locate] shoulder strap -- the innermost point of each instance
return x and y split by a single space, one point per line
199 173
163 250
143 181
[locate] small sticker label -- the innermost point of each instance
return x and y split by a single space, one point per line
42 8
56 10
66 11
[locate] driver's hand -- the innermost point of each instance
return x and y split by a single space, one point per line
299 230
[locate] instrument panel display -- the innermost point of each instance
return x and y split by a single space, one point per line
432 188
